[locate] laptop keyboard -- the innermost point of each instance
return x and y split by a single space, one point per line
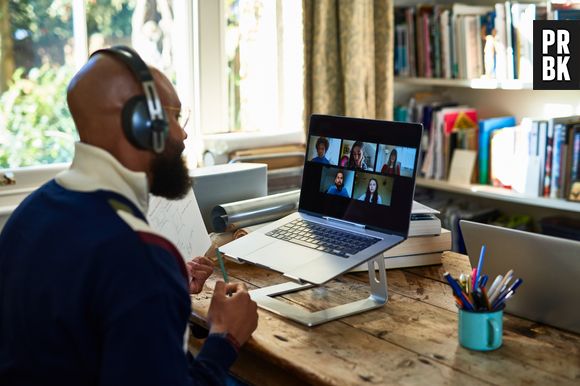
322 238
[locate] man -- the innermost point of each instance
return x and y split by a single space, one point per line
89 294
338 188
321 149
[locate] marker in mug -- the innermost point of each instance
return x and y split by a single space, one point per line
501 286
494 285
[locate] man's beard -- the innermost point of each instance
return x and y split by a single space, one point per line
339 187
170 174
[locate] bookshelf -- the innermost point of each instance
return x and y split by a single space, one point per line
492 98
474 84
500 194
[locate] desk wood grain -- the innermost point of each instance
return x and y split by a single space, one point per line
411 340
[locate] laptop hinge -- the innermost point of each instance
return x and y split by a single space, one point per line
344 222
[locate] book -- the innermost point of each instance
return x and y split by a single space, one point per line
486 127
509 47
292 158
573 184
424 224
413 251
557 151
500 42
567 14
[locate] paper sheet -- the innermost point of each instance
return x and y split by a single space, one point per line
180 221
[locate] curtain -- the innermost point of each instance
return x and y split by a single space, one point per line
348 54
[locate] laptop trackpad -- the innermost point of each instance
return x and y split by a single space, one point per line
283 258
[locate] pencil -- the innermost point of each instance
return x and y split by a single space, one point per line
222 265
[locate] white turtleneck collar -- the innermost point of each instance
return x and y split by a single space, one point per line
96 169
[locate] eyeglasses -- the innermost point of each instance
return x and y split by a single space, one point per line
182 114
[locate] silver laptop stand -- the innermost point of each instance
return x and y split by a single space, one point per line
378 297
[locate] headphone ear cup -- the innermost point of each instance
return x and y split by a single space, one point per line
137 123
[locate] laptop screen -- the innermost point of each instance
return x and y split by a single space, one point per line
361 170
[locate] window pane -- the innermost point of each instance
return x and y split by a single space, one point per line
265 64
145 25
35 125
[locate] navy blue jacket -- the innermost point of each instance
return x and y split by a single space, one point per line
85 299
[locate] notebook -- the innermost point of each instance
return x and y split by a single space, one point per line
354 204
549 267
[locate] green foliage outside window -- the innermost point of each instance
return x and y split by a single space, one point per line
35 124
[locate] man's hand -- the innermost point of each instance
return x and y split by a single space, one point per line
233 311
198 270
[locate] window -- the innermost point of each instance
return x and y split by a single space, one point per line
251 66
263 47
40 55
236 63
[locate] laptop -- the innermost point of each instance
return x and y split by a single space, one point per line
549 267
352 207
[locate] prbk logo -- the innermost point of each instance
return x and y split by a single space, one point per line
556 55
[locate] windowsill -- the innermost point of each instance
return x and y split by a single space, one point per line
220 145
28 179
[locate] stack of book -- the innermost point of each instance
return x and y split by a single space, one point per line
427 240
545 154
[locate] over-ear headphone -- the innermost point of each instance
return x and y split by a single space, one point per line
142 118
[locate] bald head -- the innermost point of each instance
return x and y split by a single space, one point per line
96 96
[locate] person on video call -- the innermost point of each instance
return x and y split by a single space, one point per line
338 188
392 166
321 149
90 294
372 194
356 159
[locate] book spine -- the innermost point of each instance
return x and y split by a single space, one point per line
542 140
500 40
559 135
509 41
411 33
575 167
427 36
548 161
572 194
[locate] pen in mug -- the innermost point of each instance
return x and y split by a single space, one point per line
515 285
486 298
512 288
501 300
508 277
482 281
479 265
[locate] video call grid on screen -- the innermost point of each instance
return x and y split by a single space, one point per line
349 159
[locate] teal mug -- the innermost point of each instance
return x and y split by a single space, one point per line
481 331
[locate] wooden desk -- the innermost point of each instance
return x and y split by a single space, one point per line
410 340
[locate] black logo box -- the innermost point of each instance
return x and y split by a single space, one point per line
573 28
